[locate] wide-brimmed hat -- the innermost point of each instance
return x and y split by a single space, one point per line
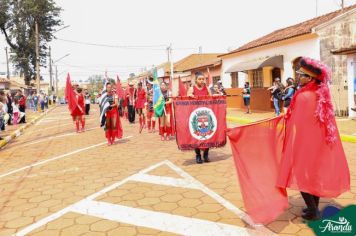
314 68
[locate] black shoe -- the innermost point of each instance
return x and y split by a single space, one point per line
198 159
206 158
310 216
305 210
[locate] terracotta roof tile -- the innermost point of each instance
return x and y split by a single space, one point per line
194 60
303 28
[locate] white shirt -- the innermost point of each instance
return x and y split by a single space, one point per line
15 108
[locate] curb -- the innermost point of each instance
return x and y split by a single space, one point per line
244 121
19 131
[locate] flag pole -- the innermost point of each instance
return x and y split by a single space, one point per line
171 63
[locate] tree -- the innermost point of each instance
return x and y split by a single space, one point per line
17 23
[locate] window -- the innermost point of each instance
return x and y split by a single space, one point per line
234 80
257 79
216 79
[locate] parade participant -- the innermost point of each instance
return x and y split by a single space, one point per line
79 112
151 119
314 160
111 121
130 98
87 101
165 127
140 96
124 105
199 90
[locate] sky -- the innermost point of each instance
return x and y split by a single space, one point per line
137 32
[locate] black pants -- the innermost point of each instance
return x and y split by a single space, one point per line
131 111
311 201
206 152
87 109
22 109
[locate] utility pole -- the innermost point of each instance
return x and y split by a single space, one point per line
51 84
316 8
56 82
169 51
7 64
37 58
342 4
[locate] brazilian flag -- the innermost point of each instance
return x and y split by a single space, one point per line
158 99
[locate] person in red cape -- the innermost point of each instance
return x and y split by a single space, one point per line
313 159
200 90
76 106
165 121
113 128
140 95
151 119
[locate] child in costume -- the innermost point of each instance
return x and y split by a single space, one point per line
200 90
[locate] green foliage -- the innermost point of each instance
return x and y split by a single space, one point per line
96 83
17 23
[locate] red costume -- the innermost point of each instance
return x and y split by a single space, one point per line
305 155
167 111
80 107
75 104
140 95
113 128
140 98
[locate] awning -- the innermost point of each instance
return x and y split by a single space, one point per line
276 61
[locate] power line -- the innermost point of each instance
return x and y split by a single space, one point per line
135 47
161 47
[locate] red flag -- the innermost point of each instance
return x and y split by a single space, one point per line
258 168
182 89
201 122
70 95
210 79
119 89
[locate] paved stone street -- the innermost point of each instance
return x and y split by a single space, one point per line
54 181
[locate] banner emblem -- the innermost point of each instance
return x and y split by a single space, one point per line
202 123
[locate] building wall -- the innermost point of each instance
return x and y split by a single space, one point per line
339 33
351 78
306 46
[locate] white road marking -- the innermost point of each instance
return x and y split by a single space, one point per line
168 181
160 221
58 136
56 126
156 220
47 173
56 158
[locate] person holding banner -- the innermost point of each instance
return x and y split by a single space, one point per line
200 90
140 95
165 127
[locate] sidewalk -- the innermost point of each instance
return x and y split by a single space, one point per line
347 127
12 131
